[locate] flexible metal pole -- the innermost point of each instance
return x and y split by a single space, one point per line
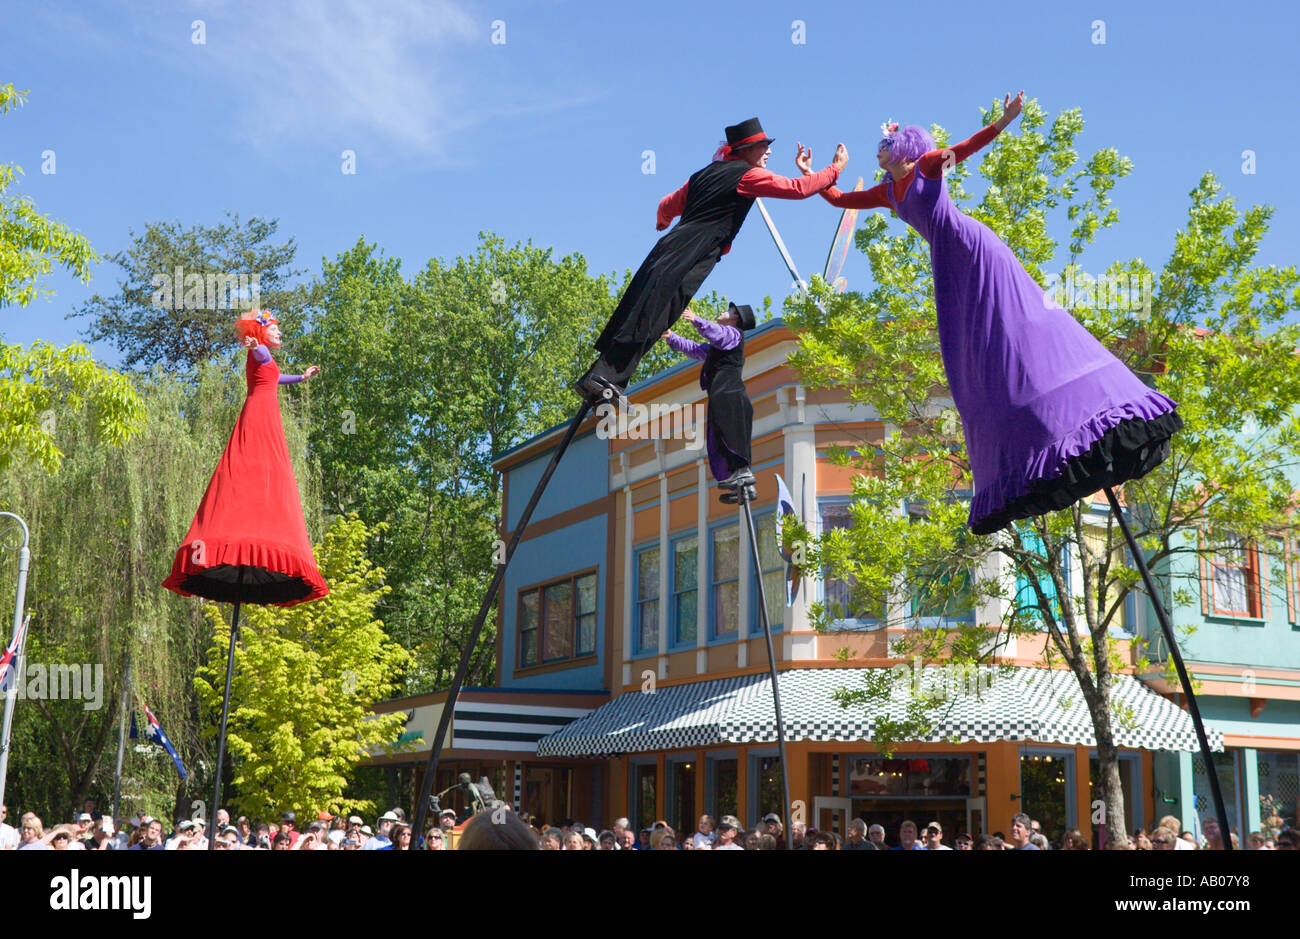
121 737
24 563
221 740
771 666
449 706
1210 770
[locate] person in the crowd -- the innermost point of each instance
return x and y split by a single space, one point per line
933 835
663 839
704 835
963 842
1021 832
907 837
552 839
1162 839
857 839
606 841
1073 840
728 832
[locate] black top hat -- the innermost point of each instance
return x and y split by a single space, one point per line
747 134
746 314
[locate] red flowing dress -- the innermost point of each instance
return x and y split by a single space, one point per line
248 541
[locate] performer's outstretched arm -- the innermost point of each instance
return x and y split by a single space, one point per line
263 355
873 198
931 165
694 350
762 182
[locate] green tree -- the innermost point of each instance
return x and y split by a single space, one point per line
30 243
183 288
305 679
1227 473
423 382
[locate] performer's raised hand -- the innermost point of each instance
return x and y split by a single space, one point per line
249 342
312 370
1010 109
841 157
803 159
667 333
688 315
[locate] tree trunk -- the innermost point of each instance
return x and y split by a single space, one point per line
1111 812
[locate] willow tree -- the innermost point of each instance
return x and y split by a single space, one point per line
1208 328
104 529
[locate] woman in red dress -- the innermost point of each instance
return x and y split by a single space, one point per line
248 541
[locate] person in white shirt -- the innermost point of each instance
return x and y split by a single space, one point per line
9 836
705 837
728 828
933 835
381 839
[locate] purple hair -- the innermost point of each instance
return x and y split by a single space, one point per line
907 144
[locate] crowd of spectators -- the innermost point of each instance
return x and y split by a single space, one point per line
502 828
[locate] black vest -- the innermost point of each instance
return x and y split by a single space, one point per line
711 198
723 366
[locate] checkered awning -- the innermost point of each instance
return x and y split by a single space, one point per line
981 706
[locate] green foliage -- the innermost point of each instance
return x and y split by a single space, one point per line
30 243
42 382
180 322
305 679
424 380
104 531
1228 471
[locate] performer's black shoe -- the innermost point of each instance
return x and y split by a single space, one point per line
740 477
596 390
732 496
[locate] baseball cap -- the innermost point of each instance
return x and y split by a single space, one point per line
84 817
356 820
388 817
771 817
729 821
185 825
365 830
324 817
936 826
590 834
288 816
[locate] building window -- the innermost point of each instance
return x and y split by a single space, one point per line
1026 596
840 595
726 579
1094 540
721 793
769 558
557 621
644 780
647 600
686 593
1234 579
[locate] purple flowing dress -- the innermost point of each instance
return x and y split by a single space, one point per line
1049 414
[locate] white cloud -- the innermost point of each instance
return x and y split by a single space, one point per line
299 68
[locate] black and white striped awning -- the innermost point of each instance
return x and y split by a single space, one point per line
481 725
982 706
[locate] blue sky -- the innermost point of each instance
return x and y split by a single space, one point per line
542 137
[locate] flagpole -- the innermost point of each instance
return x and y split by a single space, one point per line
24 562
121 737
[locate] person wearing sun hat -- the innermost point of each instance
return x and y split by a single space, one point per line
712 205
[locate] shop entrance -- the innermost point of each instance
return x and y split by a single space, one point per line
547 793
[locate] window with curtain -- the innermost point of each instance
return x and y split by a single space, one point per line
725 550
647 600
773 566
686 593
557 621
1234 578
840 594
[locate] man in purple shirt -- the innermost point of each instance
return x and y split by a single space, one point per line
731 415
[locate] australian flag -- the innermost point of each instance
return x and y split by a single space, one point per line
154 732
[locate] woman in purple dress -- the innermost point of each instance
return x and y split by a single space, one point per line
1049 414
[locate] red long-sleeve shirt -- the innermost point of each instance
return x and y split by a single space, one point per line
758 182
930 165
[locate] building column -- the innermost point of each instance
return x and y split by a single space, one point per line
1250 783
797 776
1002 774
665 574
743 587
801 478
1187 792
702 571
627 583
742 784
1082 793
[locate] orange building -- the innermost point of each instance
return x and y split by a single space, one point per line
632 674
